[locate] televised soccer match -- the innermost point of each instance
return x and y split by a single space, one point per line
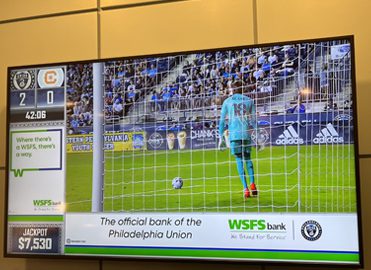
236 154
265 129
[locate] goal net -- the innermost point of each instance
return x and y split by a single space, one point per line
161 121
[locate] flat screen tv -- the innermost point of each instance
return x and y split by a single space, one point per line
240 154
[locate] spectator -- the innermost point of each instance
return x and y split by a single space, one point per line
272 59
259 73
155 106
287 63
117 107
152 71
261 59
331 105
166 98
251 83
297 108
266 67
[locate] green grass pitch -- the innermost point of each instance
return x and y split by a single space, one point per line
141 181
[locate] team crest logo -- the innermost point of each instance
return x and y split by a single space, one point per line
138 141
261 137
311 230
22 80
343 117
51 77
155 140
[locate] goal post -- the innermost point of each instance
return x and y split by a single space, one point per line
98 141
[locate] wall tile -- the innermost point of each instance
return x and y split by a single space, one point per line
15 9
173 27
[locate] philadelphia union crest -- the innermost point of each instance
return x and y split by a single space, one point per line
22 80
311 230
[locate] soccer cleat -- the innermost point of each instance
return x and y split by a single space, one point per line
253 189
246 193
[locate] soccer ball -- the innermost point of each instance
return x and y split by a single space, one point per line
177 183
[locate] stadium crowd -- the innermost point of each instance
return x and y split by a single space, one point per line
126 82
79 96
129 81
206 81
200 81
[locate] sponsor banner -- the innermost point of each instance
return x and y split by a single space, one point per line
263 121
36 173
35 149
306 118
50 77
287 136
156 141
292 134
183 139
304 134
324 133
204 138
35 238
280 232
120 141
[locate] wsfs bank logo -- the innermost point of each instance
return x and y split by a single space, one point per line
311 230
45 203
255 225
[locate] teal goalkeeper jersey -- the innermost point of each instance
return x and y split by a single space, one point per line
240 110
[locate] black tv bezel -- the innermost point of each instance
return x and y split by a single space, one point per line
191 260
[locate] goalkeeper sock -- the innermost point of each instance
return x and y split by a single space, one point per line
250 167
241 171
250 170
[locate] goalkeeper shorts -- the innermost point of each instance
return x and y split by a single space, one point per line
239 147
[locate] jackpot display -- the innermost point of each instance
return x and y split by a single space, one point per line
244 154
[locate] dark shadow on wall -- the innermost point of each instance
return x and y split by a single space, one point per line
61 264
176 265
364 116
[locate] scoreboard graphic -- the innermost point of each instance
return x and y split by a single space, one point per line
37 94
37 157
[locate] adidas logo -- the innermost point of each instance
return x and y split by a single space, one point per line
289 136
328 135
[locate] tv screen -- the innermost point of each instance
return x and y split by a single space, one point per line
244 154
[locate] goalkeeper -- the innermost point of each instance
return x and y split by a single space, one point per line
240 110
